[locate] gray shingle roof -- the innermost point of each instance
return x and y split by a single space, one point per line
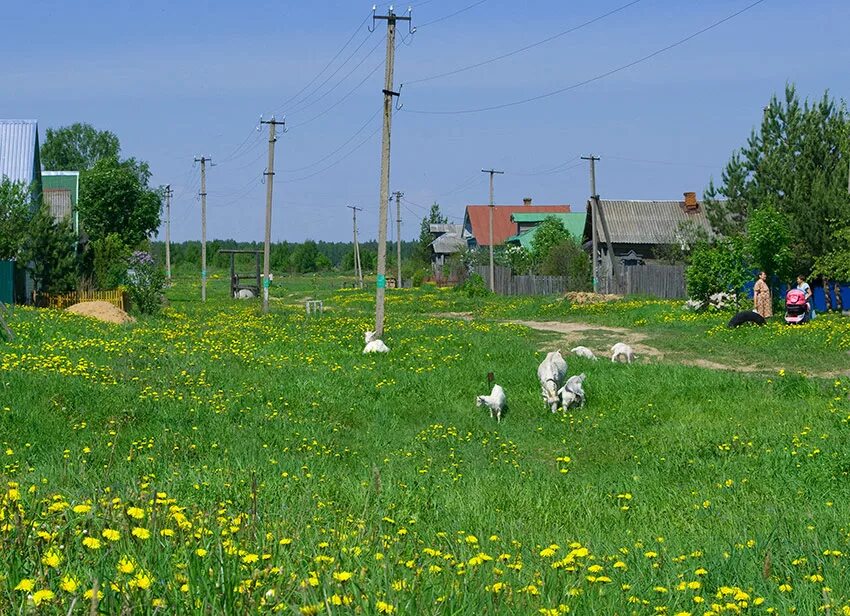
648 222
18 150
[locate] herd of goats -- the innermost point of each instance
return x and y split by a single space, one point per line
551 372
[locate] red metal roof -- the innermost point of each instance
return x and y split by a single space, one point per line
477 220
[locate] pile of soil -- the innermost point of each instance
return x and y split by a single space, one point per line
580 297
102 311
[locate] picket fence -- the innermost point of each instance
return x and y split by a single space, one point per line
115 297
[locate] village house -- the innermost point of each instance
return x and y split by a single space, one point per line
19 162
476 221
638 230
527 224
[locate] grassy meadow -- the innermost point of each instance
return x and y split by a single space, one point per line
216 461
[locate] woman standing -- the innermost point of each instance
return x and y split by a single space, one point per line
762 302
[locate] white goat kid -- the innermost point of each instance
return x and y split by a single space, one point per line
496 402
572 392
583 351
551 372
373 344
621 350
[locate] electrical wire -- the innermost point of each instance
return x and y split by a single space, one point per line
660 162
335 163
347 141
591 79
455 14
552 170
303 104
526 47
327 66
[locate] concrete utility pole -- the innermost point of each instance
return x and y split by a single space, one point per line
398 196
391 19
168 193
269 175
358 269
593 228
203 160
492 172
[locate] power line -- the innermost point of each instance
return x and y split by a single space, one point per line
301 106
449 16
553 170
335 163
327 66
595 78
349 140
526 47
661 162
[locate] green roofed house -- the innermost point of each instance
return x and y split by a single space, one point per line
527 223
61 193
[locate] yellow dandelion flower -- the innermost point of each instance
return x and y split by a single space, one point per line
26 585
42 596
250 558
384 608
91 543
141 533
110 534
52 558
136 512
81 509
342 576
69 584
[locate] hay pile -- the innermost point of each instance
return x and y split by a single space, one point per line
580 297
102 311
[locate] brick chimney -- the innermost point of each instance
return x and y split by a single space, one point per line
691 201
527 201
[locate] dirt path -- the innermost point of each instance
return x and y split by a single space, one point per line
600 338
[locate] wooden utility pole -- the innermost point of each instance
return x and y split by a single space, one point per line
593 229
391 19
398 196
168 193
492 172
269 175
203 160
358 269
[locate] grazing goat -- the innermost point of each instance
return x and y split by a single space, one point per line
573 391
622 350
373 344
583 351
496 402
551 372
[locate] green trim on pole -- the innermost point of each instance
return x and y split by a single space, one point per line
382 281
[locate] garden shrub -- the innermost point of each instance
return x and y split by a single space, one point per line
145 282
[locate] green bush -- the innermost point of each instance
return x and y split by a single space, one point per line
110 261
474 286
145 283
568 259
720 268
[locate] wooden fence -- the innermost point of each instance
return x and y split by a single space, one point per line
60 302
507 284
654 279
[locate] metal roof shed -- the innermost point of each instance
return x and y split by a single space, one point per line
19 157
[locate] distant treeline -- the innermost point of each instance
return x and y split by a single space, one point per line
308 256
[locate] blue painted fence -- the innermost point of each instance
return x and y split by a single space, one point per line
817 291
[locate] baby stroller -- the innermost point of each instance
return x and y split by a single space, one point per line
796 307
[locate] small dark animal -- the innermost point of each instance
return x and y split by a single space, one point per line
747 316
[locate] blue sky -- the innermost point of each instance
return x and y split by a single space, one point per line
178 79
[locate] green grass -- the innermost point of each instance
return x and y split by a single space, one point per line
276 446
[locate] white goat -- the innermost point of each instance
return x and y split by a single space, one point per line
374 344
583 351
496 402
551 372
621 350
573 391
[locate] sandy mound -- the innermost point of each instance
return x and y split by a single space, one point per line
102 311
579 297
